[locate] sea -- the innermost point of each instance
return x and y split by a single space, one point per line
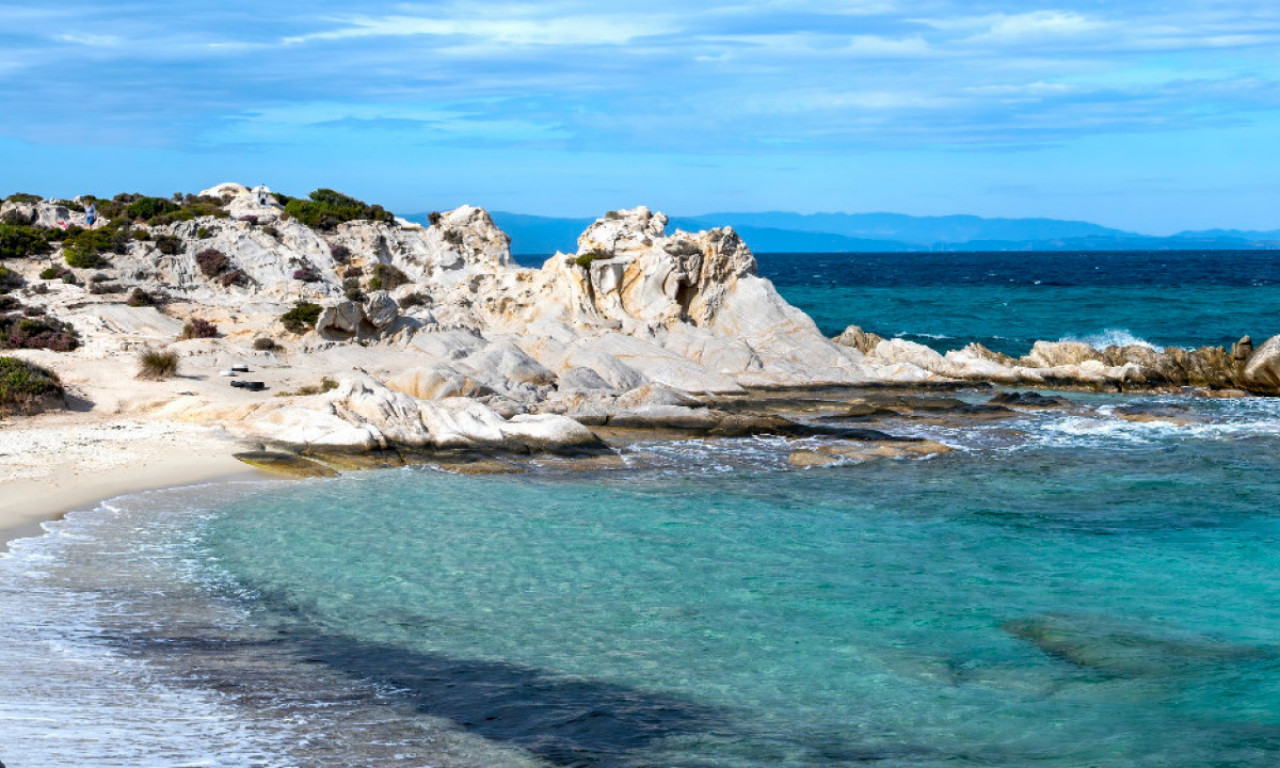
1069 588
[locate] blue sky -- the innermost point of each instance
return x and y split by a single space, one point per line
1150 116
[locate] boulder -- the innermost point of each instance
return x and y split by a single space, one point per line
381 310
858 339
1262 372
340 320
506 361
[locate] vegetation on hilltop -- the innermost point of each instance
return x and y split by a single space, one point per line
328 208
19 241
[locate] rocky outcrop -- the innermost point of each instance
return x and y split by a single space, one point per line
1262 370
361 414
443 341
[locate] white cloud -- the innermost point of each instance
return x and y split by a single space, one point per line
89 39
580 30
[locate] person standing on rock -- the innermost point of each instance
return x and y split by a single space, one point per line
90 215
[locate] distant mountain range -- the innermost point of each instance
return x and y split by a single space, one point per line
779 232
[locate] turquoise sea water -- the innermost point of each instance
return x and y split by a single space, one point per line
1066 588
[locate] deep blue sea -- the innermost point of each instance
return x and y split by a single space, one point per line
1064 589
1007 301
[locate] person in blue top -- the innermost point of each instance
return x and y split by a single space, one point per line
91 214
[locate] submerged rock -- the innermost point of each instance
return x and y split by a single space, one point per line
859 452
1112 648
1029 400
284 464
1166 413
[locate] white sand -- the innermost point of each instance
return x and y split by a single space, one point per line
58 462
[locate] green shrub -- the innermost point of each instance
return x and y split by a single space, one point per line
70 205
302 317
181 214
387 277
84 249
25 387
52 273
328 208
20 241
584 260
203 232
23 197
203 205
157 365
149 208
263 344
8 303
60 235
351 289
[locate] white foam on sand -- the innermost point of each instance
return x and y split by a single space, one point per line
68 696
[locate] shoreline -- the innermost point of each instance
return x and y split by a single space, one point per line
60 462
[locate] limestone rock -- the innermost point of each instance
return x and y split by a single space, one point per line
506 361
340 320
381 310
436 382
580 379
1262 372
858 339
1052 354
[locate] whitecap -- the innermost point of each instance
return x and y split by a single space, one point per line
1111 337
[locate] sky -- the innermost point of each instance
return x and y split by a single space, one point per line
1154 117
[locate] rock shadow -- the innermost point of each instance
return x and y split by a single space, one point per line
567 721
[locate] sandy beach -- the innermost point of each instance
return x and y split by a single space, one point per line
58 462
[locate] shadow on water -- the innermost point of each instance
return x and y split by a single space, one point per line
566 721
570 722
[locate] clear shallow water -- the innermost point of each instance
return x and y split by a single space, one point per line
1007 301
1064 590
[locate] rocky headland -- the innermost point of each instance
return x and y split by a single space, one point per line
360 334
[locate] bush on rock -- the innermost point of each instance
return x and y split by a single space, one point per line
26 387
328 208
302 317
